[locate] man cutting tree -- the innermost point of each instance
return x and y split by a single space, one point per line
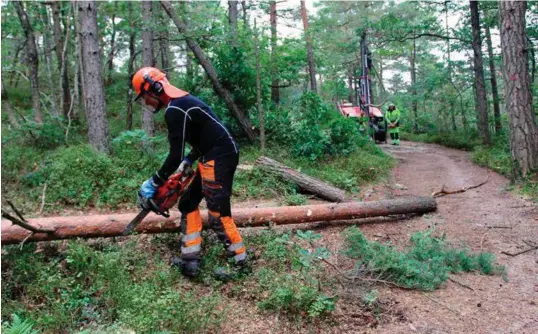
191 121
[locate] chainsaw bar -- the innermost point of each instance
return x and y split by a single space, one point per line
134 223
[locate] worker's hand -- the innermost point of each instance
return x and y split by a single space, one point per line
148 189
186 167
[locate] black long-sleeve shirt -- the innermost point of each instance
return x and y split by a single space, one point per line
189 120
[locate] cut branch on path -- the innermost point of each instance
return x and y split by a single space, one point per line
444 192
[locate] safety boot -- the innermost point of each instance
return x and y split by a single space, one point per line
190 268
234 270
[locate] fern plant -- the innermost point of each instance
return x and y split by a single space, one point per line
19 326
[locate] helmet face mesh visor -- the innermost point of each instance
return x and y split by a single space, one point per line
150 102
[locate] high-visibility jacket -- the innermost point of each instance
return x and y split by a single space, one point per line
393 116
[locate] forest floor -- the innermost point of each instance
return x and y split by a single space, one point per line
488 218
485 219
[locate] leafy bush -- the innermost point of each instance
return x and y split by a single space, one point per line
497 158
77 175
81 176
86 287
425 266
313 128
293 292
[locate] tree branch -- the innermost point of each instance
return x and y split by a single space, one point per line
426 34
22 222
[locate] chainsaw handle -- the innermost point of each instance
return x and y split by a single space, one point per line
155 208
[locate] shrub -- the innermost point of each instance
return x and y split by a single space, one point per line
313 129
294 292
87 287
77 175
425 266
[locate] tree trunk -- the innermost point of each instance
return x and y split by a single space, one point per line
244 8
62 61
449 62
6 106
110 60
189 65
243 120
493 79
164 41
232 17
94 93
32 58
261 120
77 78
148 119
517 88
130 68
47 47
19 47
309 52
305 182
481 100
453 117
414 102
275 89
96 226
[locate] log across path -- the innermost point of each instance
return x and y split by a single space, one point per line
112 225
303 181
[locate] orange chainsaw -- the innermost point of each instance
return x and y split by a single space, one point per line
166 197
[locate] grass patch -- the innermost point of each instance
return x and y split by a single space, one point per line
77 176
104 286
498 158
458 140
426 265
89 285
365 165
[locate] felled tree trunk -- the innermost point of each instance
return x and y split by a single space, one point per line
113 225
305 182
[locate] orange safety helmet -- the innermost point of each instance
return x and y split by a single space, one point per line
152 83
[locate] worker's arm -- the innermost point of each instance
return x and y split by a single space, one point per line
397 112
193 155
177 122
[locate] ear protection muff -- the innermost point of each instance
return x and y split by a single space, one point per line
154 86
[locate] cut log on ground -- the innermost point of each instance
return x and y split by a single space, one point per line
112 225
305 182
95 226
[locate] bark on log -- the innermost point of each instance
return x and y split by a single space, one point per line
112 225
305 182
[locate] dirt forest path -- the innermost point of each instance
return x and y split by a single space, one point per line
487 218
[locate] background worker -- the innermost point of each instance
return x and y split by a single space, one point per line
393 117
191 121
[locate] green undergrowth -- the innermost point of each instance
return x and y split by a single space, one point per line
425 265
79 177
109 286
498 158
458 140
362 166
